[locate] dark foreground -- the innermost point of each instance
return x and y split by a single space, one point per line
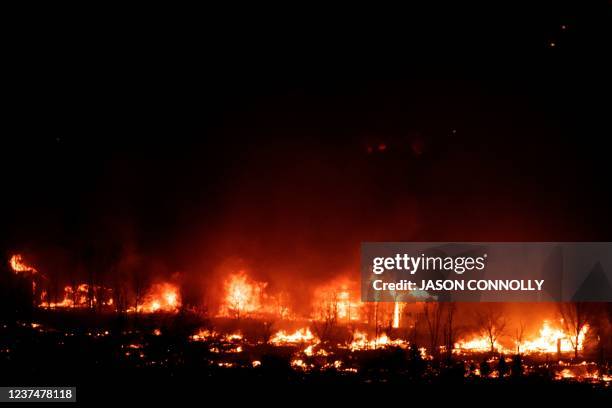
123 363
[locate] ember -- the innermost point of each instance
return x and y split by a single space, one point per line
299 336
362 342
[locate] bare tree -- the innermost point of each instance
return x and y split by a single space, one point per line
575 316
491 322
433 313
138 286
283 305
449 328
414 332
519 336
266 330
327 316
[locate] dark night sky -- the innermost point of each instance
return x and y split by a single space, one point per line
255 144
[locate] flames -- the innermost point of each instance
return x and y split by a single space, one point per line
161 297
303 335
477 344
18 265
72 297
242 295
337 302
549 340
583 372
79 296
396 315
324 337
361 341
552 340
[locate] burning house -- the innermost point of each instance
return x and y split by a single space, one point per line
174 232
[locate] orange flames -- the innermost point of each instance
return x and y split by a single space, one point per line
299 336
478 344
362 342
549 340
78 297
71 298
242 295
552 340
396 315
18 265
337 302
161 297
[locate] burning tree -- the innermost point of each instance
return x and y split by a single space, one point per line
242 295
439 319
433 313
449 328
491 322
575 317
519 336
326 316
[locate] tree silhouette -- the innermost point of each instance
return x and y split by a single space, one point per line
575 316
491 322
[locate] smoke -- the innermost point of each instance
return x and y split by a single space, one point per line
285 185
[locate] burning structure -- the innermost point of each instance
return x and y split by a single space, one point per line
489 340
221 241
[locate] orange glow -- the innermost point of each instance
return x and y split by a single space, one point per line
162 297
203 335
337 301
72 298
362 342
299 336
396 315
242 295
550 338
18 265
479 344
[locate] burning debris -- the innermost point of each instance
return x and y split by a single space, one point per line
339 334
337 302
303 335
18 265
243 295
161 297
80 296
549 340
362 342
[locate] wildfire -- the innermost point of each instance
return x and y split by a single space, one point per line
549 340
299 364
242 295
299 336
336 302
361 342
479 344
552 340
583 372
77 297
396 315
18 265
162 297
233 337
203 335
